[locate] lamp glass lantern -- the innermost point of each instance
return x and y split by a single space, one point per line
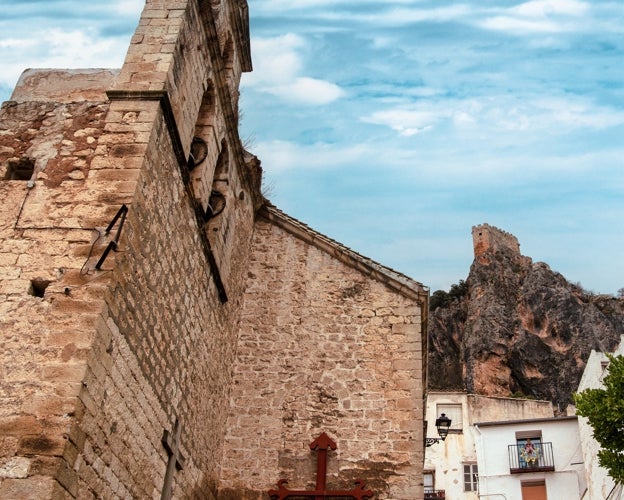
443 424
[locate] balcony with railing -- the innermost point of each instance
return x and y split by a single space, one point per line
435 494
538 459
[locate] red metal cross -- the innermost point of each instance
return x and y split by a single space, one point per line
321 444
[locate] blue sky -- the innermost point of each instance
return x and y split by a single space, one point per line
395 126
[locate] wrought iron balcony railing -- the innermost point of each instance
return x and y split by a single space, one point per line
538 459
435 494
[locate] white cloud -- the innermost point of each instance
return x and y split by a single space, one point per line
579 113
281 156
77 48
18 43
285 5
405 122
129 7
281 6
403 16
517 25
539 16
277 71
276 60
547 8
411 119
554 115
55 48
307 91
551 115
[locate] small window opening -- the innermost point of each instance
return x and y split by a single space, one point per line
20 170
429 483
454 412
38 287
199 152
216 205
471 477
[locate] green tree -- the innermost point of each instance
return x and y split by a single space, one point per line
458 290
440 298
604 408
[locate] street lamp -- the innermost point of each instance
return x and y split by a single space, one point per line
442 423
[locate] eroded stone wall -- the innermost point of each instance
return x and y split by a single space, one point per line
323 348
165 345
100 356
97 362
48 307
489 238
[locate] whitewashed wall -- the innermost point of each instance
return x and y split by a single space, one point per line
566 482
447 458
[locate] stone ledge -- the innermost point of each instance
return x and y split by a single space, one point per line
64 85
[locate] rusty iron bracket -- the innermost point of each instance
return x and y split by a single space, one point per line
112 245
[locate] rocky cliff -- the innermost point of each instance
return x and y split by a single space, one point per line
516 327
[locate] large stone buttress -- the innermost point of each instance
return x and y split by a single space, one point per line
103 352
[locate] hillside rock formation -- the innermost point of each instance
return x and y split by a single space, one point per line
516 327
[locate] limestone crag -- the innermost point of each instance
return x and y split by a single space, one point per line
516 327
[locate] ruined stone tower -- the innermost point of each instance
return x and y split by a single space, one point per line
165 331
489 238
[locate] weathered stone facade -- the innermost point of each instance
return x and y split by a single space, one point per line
250 329
349 364
486 238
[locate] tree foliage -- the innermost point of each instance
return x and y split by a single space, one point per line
440 298
604 409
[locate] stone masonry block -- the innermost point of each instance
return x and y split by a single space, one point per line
8 446
65 372
14 467
41 445
18 425
27 488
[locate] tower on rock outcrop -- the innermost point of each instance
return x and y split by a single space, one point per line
486 238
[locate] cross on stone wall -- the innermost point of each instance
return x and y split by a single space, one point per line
321 444
171 442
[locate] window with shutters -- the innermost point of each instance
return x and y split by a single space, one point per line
471 477
454 412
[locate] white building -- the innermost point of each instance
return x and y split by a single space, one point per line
452 470
484 456
599 485
533 459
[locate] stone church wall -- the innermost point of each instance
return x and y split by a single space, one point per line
250 334
167 344
323 348
48 308
99 362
